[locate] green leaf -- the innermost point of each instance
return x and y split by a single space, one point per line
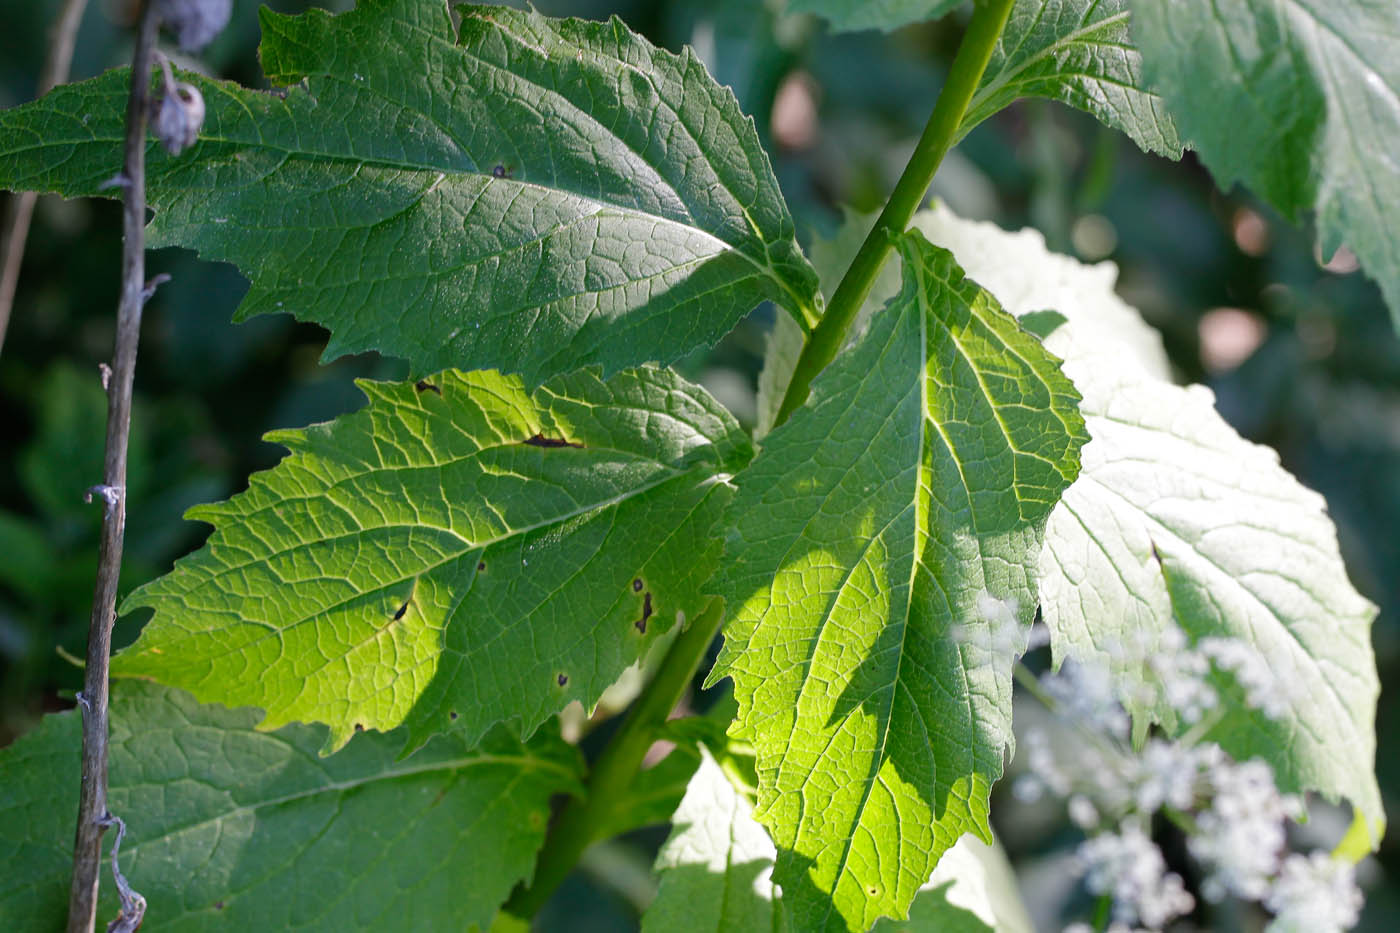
850 15
973 890
1077 52
716 874
916 479
529 194
1177 520
1299 100
232 828
716 868
460 552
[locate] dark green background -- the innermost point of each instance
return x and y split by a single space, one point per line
1323 387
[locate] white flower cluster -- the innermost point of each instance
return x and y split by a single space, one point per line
1130 867
1232 812
1313 893
1241 837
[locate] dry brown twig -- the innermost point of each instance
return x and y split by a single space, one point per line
93 818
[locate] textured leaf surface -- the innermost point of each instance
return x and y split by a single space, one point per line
716 874
918 477
1077 52
534 193
1176 519
849 15
973 890
459 552
1299 100
235 829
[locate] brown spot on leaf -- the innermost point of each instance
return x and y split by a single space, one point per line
452 714
562 679
636 586
218 905
646 613
481 566
359 727
402 609
423 385
500 171
539 440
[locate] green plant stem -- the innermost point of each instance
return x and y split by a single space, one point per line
988 21
578 824
581 819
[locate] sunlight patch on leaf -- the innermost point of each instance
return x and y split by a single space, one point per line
1176 520
459 552
916 480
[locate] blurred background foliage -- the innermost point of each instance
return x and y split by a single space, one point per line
1298 348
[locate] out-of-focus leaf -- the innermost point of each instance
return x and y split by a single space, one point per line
1299 100
849 15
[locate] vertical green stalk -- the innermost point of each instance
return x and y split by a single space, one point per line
578 825
580 821
988 21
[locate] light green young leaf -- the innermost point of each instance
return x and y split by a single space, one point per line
1077 52
915 483
232 828
1299 100
1177 520
850 15
461 551
716 869
529 194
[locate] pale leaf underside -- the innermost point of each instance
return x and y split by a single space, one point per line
716 875
1177 520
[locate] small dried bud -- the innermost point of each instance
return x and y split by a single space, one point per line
195 23
178 117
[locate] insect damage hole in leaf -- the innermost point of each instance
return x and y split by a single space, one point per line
539 440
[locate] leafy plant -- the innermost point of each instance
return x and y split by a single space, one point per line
967 433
